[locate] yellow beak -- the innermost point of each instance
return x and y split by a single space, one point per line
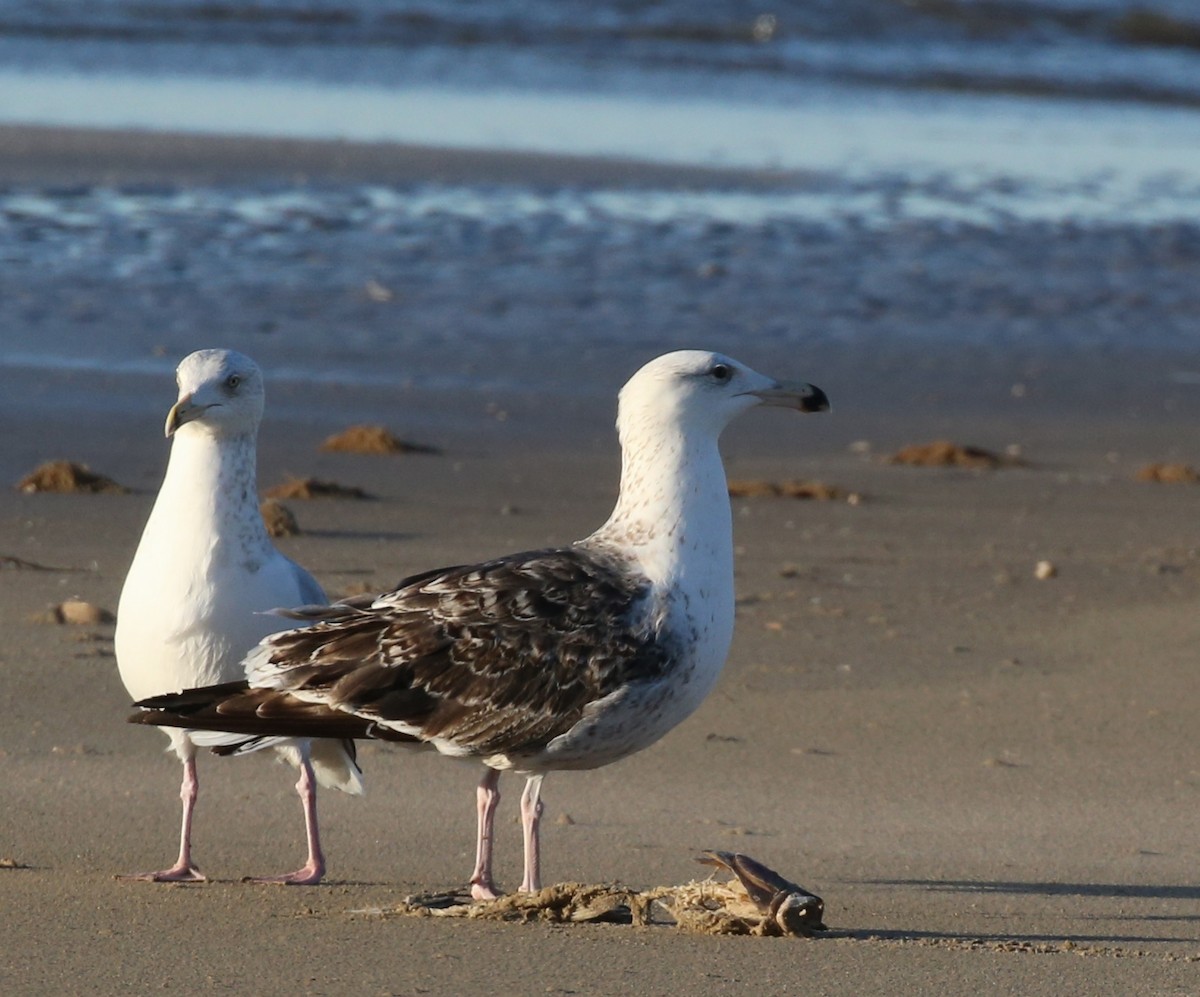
183 411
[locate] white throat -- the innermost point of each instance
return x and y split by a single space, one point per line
673 509
672 518
210 484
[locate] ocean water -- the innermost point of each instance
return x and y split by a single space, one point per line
1143 49
1010 174
1042 88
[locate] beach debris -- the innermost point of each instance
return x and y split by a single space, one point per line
78 749
763 28
355 589
778 907
1045 570
373 440
377 292
78 613
279 520
943 453
8 862
757 901
563 903
93 652
816 490
67 476
314 488
20 564
1169 474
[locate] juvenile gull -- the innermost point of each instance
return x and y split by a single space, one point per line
204 575
567 658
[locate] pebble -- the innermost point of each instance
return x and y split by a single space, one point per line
77 612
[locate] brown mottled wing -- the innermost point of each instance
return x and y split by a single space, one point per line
501 656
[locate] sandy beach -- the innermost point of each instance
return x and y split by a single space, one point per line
991 778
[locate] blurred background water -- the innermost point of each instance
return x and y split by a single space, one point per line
1110 49
1010 174
866 84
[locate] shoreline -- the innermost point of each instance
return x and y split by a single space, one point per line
52 155
873 367
547 391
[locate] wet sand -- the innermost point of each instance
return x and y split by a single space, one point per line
39 155
991 779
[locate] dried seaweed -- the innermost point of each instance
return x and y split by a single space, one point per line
279 520
757 901
373 440
65 476
1169 474
314 488
816 490
943 453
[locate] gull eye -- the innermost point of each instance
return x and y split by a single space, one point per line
233 380
721 373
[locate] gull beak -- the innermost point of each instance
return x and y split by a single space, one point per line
183 411
794 394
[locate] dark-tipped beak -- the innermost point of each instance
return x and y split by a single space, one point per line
183 411
795 394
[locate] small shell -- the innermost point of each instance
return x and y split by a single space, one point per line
76 612
1045 570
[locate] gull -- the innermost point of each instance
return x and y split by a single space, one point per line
204 579
566 658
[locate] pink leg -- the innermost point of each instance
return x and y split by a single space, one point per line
531 821
312 871
487 798
183 871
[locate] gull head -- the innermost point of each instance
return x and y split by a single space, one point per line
701 391
220 391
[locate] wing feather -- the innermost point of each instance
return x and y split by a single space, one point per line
501 656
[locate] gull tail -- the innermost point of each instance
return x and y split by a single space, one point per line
334 762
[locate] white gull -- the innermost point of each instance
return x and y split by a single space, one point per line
203 578
567 658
